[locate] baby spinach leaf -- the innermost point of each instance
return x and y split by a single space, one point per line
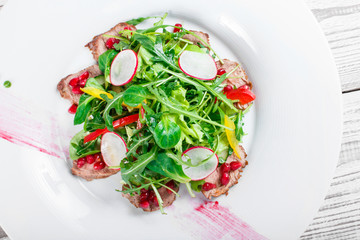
166 133
106 58
138 167
135 95
83 108
168 168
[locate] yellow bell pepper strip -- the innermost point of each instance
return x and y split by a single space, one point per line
230 134
96 92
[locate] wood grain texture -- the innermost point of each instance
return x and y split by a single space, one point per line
340 21
339 216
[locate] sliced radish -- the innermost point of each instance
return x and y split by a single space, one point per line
113 149
123 67
198 65
198 154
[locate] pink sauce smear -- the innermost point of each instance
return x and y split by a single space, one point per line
27 125
211 221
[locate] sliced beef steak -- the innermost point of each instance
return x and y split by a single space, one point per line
237 78
88 172
216 176
97 45
195 40
65 89
168 198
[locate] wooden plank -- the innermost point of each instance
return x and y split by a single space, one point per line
339 216
340 21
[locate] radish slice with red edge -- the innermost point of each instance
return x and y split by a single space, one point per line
113 149
198 65
123 67
198 154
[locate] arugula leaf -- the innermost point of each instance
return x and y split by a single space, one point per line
97 122
168 168
166 133
156 48
112 103
239 131
83 109
78 149
106 58
175 109
137 21
138 167
161 21
135 95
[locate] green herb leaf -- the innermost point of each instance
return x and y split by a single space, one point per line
166 133
239 131
168 168
111 103
138 167
7 84
161 21
83 109
78 149
135 95
106 58
137 21
197 185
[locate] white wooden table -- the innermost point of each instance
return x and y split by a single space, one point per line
339 216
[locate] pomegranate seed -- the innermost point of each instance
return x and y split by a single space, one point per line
81 162
221 71
83 78
143 190
225 178
110 43
90 159
77 90
74 82
177 29
171 185
225 168
99 165
144 196
97 157
127 28
72 109
235 165
215 100
208 186
144 204
228 88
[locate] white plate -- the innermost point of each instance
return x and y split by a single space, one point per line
293 142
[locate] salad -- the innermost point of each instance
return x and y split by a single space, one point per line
161 108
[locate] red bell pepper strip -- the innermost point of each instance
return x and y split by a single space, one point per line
116 124
243 94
